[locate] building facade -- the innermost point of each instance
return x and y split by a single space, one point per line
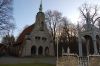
36 39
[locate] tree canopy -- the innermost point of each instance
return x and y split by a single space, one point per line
6 16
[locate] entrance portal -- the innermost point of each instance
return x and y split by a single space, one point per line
33 50
40 50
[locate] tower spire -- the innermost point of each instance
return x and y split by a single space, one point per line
40 9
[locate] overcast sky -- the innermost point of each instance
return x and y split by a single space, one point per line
26 10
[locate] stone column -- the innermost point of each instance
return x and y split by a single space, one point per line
43 51
80 47
98 48
95 45
94 41
87 47
80 42
98 40
37 50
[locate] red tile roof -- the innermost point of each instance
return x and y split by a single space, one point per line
26 31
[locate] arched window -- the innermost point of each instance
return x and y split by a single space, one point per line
46 51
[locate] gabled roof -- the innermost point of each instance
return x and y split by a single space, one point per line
26 31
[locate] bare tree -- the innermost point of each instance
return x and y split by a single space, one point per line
6 16
91 19
64 37
89 13
53 18
65 29
61 27
69 35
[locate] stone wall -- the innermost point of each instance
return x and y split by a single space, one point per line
68 60
74 60
94 60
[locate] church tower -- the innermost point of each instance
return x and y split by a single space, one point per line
40 18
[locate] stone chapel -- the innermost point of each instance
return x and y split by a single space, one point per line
36 40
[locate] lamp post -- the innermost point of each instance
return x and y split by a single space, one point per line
57 50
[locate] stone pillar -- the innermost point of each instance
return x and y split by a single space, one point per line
95 45
80 42
99 45
80 47
43 51
87 47
28 48
37 51
51 50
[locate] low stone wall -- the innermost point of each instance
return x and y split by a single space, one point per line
94 60
74 60
68 60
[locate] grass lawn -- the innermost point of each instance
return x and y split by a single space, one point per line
28 64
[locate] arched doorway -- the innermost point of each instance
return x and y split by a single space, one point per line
46 51
88 46
33 50
40 50
84 46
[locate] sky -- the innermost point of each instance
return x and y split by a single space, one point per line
26 10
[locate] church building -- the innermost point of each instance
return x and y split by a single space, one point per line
36 40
